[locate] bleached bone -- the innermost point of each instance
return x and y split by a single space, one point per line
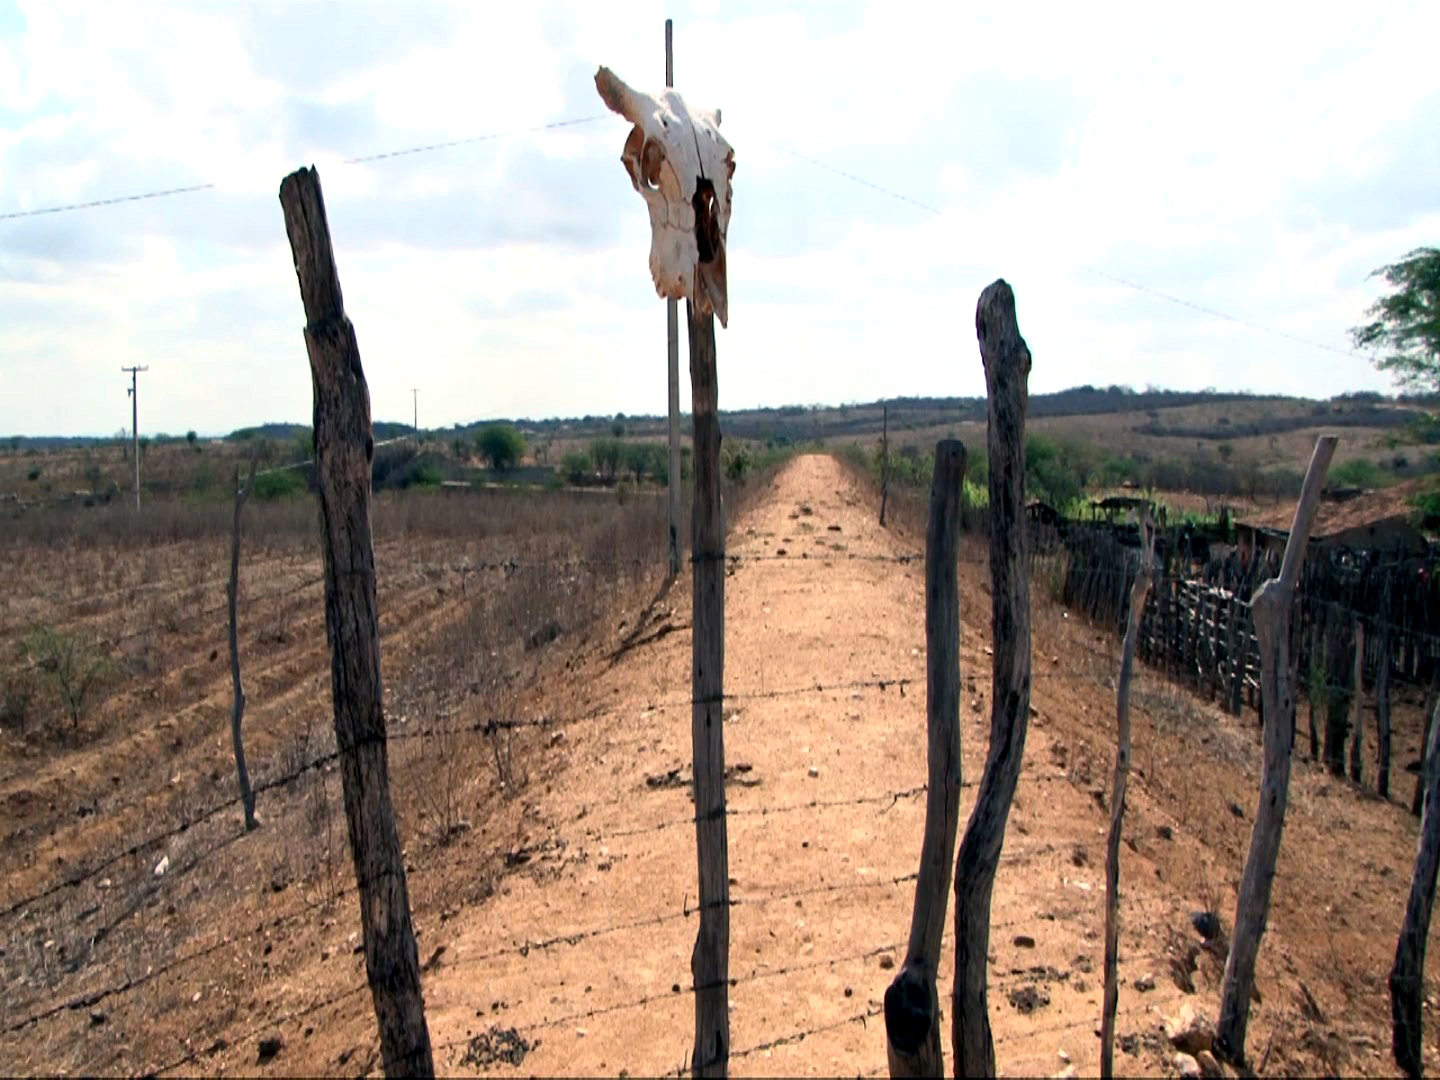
682 166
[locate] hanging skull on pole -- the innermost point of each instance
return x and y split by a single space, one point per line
681 165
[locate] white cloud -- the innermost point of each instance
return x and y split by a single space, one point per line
1243 158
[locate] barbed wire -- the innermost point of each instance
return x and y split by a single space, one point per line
491 725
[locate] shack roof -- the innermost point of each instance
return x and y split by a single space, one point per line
1338 517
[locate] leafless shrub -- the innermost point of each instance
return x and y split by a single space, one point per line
74 667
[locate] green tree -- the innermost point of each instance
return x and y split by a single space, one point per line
501 445
1404 324
193 440
576 466
608 454
645 459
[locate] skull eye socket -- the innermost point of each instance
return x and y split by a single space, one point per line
707 220
652 157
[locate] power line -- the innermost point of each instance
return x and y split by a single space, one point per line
360 160
104 202
1217 314
901 197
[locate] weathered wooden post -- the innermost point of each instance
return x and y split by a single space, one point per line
1382 719
912 1003
884 461
1432 699
344 448
682 167
1271 608
1407 976
232 592
1007 369
1357 706
1117 801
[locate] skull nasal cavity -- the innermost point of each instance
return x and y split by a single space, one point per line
707 222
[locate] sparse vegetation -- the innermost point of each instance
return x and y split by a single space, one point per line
501 445
74 667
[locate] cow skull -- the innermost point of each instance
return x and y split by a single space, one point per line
681 165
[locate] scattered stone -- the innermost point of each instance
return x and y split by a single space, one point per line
1209 1067
1189 1031
543 635
162 866
1206 923
1028 998
97 1018
1145 983
1164 832
1236 809
814 772
887 961
105 883
270 1046
1064 1057
1024 941
497 1045
1187 1066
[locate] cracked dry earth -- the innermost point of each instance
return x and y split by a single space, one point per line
580 961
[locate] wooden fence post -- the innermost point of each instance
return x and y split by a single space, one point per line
1357 706
884 461
1382 719
1271 608
912 1004
1007 370
1432 699
1117 802
232 592
1407 976
710 962
344 448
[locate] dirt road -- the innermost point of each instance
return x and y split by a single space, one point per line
824 841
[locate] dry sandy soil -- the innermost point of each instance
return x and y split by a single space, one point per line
556 922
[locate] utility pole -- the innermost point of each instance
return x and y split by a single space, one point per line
415 402
134 393
672 317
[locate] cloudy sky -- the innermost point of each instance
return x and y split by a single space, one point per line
1257 159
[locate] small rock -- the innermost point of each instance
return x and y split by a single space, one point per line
1187 1066
270 1045
887 961
1235 809
1164 832
1206 923
1024 941
97 1018
1064 1057
162 866
1145 983
814 772
104 883
1026 999
1189 1031
1209 1067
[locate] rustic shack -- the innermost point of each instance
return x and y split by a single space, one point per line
1377 521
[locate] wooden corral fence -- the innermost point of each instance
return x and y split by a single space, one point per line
1198 627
